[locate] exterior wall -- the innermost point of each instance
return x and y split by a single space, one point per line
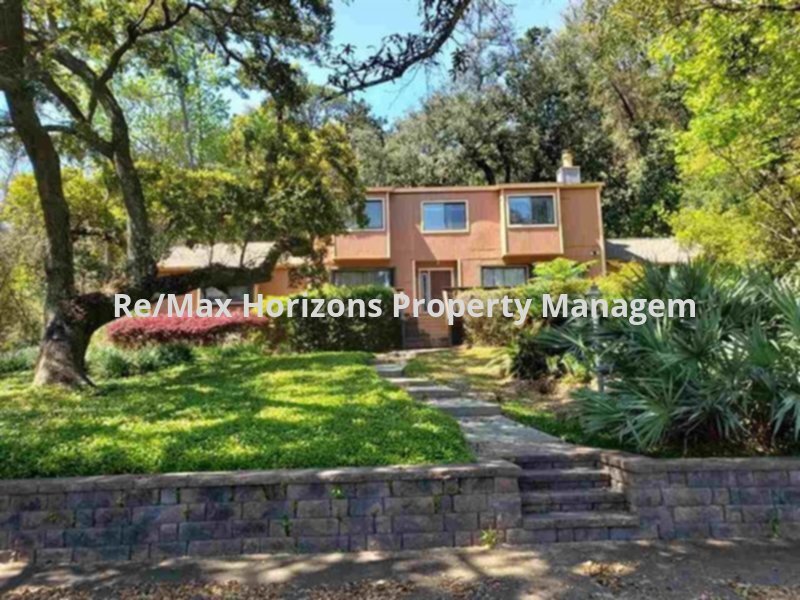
489 241
213 514
711 498
279 285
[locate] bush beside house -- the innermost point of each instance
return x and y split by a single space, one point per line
372 334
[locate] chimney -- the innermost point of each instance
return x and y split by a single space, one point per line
567 172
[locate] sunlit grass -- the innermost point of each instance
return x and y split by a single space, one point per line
228 411
480 368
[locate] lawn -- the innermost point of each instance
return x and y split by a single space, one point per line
229 410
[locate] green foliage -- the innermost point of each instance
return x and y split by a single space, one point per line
249 411
619 282
96 218
727 376
372 334
529 359
18 360
737 243
739 78
559 276
108 362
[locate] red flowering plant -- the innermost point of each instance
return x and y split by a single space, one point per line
132 332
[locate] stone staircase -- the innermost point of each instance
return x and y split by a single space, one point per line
565 494
566 497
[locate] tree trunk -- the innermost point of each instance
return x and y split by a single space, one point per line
62 353
62 350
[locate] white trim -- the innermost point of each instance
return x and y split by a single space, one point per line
556 212
380 229
422 204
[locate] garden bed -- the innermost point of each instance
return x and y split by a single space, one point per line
232 409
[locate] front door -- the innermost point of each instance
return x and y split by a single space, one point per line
434 282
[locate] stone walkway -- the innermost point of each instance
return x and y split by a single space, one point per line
489 433
566 494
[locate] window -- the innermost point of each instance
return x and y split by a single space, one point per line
353 277
503 276
444 216
373 209
531 210
236 293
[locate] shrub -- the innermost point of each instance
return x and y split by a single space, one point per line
18 360
109 362
372 334
529 360
130 332
555 277
726 377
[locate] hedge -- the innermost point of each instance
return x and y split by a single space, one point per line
133 332
372 334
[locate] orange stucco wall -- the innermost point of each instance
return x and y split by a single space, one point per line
489 241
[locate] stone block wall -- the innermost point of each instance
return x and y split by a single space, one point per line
710 497
154 517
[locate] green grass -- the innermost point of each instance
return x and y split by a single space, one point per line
565 428
479 368
230 410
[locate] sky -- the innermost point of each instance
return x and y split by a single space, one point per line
365 22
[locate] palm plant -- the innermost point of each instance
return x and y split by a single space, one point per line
731 375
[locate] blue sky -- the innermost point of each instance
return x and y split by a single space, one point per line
366 22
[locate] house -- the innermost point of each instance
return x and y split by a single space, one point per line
429 240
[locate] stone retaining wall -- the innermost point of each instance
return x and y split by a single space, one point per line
710 497
152 517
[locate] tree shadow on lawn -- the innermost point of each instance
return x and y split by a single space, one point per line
320 410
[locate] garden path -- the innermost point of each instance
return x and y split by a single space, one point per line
490 434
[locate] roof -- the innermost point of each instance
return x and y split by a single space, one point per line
228 255
665 251
483 188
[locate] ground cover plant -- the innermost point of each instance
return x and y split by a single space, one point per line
234 408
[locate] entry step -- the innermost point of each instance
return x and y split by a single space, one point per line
579 519
465 407
390 370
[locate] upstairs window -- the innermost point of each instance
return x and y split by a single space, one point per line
373 209
355 277
503 276
444 216
235 293
531 210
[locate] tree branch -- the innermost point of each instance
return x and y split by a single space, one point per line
391 63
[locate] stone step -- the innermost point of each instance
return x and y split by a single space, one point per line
424 391
563 520
594 499
563 479
390 370
561 460
405 382
465 407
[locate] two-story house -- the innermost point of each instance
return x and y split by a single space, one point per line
426 241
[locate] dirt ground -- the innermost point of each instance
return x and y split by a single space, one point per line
768 570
